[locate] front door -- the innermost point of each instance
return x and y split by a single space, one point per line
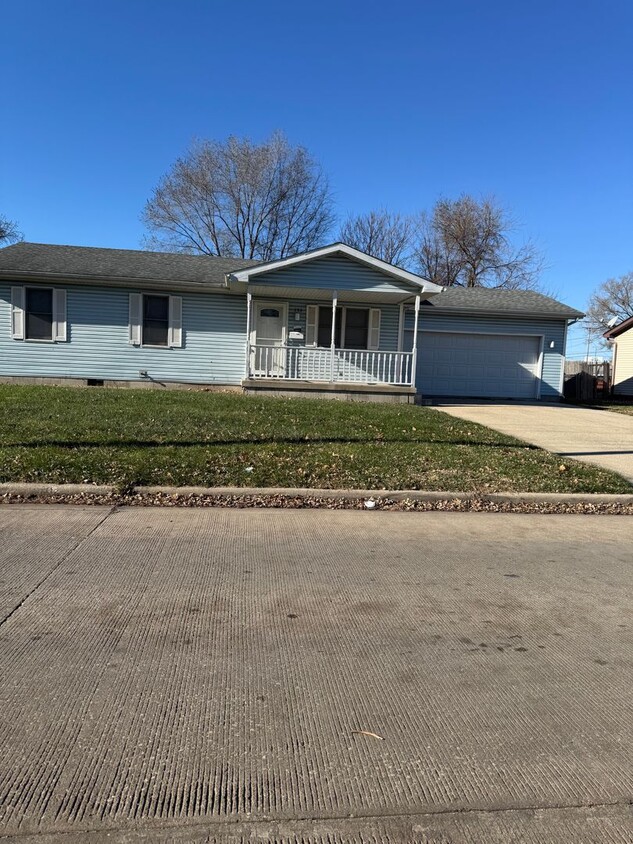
269 321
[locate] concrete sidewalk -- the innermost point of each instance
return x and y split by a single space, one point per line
593 436
205 675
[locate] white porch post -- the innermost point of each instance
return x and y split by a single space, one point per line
249 298
414 356
333 334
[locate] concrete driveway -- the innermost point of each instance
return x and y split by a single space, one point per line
205 675
593 436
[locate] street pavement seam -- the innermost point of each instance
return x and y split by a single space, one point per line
54 569
216 825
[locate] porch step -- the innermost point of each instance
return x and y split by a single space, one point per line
331 390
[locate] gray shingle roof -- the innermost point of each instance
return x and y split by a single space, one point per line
87 262
42 260
490 300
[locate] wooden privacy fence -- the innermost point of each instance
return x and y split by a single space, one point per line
586 381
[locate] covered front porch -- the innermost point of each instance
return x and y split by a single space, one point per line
336 338
330 321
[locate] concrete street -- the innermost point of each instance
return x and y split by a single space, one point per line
593 436
171 674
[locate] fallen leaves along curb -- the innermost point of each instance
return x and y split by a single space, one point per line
470 502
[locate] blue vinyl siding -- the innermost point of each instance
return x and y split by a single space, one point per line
389 328
335 273
550 329
214 334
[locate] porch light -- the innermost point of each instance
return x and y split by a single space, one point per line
297 316
551 344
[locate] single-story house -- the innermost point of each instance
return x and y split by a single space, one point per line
620 338
333 321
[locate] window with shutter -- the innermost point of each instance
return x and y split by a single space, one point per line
355 328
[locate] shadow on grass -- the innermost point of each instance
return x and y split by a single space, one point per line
267 441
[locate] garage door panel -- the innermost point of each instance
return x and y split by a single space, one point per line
477 365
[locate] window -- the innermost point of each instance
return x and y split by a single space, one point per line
155 320
39 314
356 328
351 330
325 327
269 312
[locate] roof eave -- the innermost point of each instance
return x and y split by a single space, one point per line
436 309
614 332
112 281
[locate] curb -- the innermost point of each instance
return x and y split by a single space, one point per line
47 490
54 490
393 494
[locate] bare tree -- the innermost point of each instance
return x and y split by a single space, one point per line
235 197
436 259
467 242
9 231
382 234
611 302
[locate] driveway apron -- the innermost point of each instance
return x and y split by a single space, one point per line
593 436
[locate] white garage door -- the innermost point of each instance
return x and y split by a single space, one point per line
477 365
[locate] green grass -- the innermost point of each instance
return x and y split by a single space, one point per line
58 434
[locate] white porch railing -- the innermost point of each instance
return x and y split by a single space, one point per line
309 363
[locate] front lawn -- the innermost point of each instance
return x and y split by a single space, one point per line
194 437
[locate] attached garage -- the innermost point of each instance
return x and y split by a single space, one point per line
478 365
490 344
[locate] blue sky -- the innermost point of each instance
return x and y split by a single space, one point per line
401 102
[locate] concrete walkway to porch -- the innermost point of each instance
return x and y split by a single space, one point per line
593 436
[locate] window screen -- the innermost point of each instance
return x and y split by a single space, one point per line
39 314
155 320
356 326
325 327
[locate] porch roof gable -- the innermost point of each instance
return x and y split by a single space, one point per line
404 281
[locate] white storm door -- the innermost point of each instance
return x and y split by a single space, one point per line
269 328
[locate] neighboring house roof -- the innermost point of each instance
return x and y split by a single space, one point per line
493 300
611 333
339 249
42 260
